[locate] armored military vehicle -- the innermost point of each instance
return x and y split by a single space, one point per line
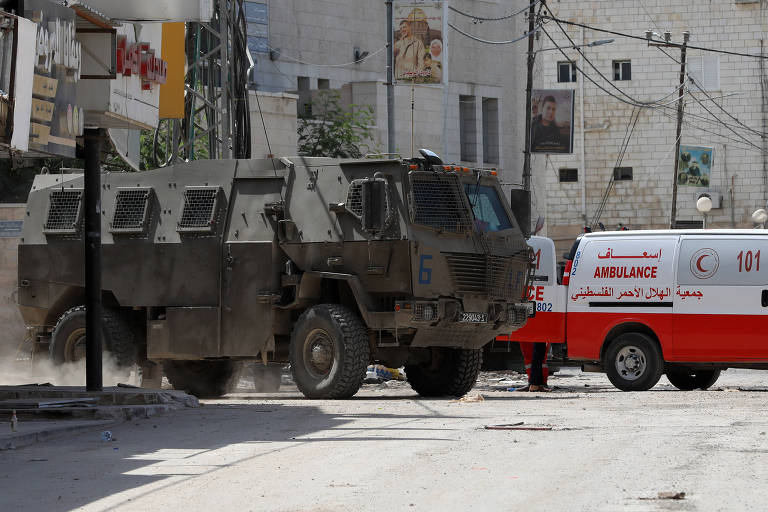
327 264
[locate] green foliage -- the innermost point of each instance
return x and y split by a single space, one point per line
16 175
333 131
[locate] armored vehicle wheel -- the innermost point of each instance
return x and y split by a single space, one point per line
329 352
204 379
687 379
119 337
451 372
633 362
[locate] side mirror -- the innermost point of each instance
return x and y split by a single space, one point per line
374 194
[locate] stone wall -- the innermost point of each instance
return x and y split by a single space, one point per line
739 160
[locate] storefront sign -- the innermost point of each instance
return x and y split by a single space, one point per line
139 59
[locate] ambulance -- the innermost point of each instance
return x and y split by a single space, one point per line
640 304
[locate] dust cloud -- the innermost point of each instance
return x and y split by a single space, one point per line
21 368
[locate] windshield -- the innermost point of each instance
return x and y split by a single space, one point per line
490 214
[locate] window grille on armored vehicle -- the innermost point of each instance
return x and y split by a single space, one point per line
485 275
65 208
132 206
437 202
199 212
355 198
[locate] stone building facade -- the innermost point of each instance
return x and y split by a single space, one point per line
725 108
475 118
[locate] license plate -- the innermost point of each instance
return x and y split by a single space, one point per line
531 309
475 318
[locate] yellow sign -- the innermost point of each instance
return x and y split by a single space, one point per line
172 52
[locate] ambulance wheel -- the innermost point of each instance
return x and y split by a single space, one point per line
204 379
633 362
451 372
329 352
687 379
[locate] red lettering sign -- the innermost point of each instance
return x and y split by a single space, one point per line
535 293
638 272
139 59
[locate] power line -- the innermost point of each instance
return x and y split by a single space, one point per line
756 132
641 38
481 19
485 41
633 102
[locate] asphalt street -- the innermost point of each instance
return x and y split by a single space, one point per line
585 446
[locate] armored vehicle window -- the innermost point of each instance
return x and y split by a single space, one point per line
64 211
132 207
199 209
355 198
436 202
490 214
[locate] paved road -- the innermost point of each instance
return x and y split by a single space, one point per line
388 450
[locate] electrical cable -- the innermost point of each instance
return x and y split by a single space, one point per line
485 41
630 36
634 102
756 132
327 65
481 19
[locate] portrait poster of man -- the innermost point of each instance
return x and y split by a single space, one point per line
552 121
418 47
694 166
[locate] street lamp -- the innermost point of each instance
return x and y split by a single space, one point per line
599 42
704 205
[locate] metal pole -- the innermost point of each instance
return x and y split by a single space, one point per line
673 216
390 79
528 94
92 208
225 36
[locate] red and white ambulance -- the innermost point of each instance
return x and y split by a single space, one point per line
638 304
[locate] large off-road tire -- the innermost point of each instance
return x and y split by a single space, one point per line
329 352
633 362
204 379
119 336
688 379
451 372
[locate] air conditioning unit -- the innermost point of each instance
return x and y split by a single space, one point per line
716 197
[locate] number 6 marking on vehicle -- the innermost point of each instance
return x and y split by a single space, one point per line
425 274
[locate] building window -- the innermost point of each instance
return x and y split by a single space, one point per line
622 174
566 72
705 72
257 26
490 130
569 175
622 70
468 128
304 105
323 83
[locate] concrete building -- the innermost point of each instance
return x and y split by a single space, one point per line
475 118
725 108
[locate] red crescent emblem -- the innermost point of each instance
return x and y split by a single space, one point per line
698 263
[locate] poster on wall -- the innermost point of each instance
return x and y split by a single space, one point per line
418 47
552 121
694 166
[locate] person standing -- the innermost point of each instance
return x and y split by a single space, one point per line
409 53
535 358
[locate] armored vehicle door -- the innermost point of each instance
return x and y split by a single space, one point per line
251 264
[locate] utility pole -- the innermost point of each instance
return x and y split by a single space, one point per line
528 94
390 79
673 216
92 217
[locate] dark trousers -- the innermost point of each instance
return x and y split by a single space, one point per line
536 378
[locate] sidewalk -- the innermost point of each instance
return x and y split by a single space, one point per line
48 412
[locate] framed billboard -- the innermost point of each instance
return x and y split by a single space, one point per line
552 121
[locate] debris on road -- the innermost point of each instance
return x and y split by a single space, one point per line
378 374
472 398
667 495
514 426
